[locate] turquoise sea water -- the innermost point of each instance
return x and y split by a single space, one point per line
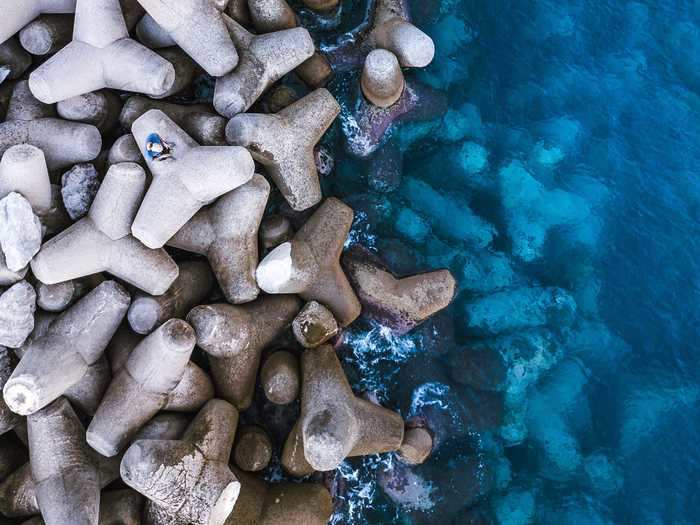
559 183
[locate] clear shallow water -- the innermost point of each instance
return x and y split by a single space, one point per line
561 188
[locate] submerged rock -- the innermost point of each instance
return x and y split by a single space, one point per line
432 491
449 217
480 367
486 271
516 507
512 310
532 211
602 474
549 418
20 231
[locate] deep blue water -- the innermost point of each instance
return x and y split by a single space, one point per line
561 187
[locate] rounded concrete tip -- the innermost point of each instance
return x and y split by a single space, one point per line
54 297
415 48
21 153
203 319
40 88
127 172
21 395
179 335
327 437
163 82
146 236
36 38
41 268
113 288
134 465
143 315
229 104
100 444
382 81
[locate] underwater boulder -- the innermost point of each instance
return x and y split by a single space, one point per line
478 366
449 217
467 481
549 416
602 474
386 168
486 272
531 211
518 309
516 507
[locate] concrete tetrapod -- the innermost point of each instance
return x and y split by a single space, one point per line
16 15
101 55
100 241
389 28
192 285
284 144
272 15
274 230
321 5
140 389
190 478
86 394
59 359
235 336
8 419
120 507
63 142
190 178
276 15
309 265
125 149
261 64
185 70
416 447
191 393
57 297
115 205
18 490
99 108
63 468
253 449
23 170
334 423
382 81
401 304
47 34
416 103
152 35
262 503
280 377
198 121
238 10
314 325
227 234
198 28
